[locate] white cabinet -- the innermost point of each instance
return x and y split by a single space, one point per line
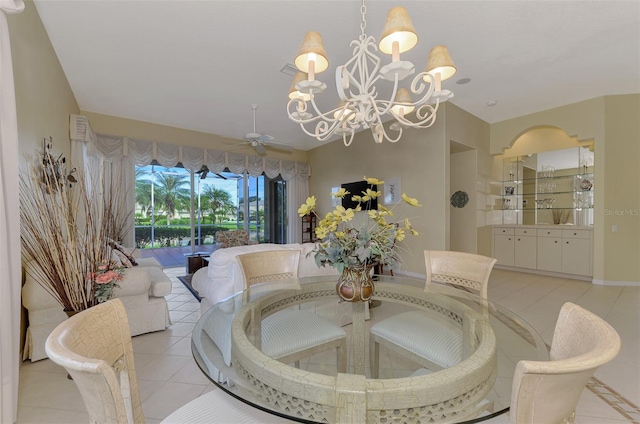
503 249
576 252
525 252
543 248
503 245
549 251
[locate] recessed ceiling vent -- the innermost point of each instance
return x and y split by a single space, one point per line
289 69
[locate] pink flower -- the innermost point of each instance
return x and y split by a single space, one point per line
104 278
102 267
113 275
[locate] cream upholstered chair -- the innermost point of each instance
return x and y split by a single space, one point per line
94 346
548 391
434 344
290 335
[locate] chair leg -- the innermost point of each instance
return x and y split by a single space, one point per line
341 351
374 356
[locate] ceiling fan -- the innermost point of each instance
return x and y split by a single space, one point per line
260 141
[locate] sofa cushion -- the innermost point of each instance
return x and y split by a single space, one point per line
160 283
135 281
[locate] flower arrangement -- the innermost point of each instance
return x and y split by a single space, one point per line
105 279
350 239
64 230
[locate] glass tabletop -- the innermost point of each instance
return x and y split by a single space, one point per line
472 387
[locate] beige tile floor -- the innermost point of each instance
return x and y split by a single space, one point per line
169 378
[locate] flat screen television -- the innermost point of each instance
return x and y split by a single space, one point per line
356 188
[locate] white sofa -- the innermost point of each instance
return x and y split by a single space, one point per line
223 277
142 292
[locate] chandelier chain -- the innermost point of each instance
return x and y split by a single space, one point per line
363 11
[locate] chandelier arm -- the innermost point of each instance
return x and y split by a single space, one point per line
344 139
417 85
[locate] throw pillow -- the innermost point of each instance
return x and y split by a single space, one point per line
116 246
123 258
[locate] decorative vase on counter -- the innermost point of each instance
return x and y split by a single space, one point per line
355 284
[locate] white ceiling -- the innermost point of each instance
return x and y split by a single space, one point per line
200 64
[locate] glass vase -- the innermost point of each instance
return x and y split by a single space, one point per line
355 284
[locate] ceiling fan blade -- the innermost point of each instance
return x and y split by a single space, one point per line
264 137
260 149
279 146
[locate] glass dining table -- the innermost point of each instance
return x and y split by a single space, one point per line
475 387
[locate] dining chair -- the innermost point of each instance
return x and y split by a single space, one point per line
549 391
94 346
291 334
434 344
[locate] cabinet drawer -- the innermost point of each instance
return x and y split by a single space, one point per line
525 231
505 231
581 234
549 232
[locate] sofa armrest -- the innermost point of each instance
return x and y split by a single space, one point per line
134 281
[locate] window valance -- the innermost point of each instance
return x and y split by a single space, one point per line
143 152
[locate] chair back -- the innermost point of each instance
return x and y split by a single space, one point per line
548 391
94 346
467 270
270 265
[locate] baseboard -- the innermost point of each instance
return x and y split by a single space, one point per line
542 272
616 283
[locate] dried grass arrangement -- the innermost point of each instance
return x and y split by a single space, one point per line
64 232
560 216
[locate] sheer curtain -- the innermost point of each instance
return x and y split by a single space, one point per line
115 176
10 272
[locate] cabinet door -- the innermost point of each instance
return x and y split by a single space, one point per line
550 254
576 256
525 252
503 249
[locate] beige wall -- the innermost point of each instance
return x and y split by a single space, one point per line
612 123
621 188
105 124
44 99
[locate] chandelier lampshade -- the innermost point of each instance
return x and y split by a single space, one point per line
360 106
312 58
403 104
439 62
398 28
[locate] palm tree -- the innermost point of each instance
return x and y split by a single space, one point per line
143 191
171 195
217 201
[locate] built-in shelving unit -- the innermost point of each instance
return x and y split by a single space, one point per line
532 192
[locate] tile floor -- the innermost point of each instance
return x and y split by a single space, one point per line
169 378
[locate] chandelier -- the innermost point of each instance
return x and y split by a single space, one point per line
359 106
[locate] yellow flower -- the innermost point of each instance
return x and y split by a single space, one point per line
413 232
410 200
373 180
340 234
345 215
340 193
356 198
373 194
373 214
399 234
308 206
321 232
